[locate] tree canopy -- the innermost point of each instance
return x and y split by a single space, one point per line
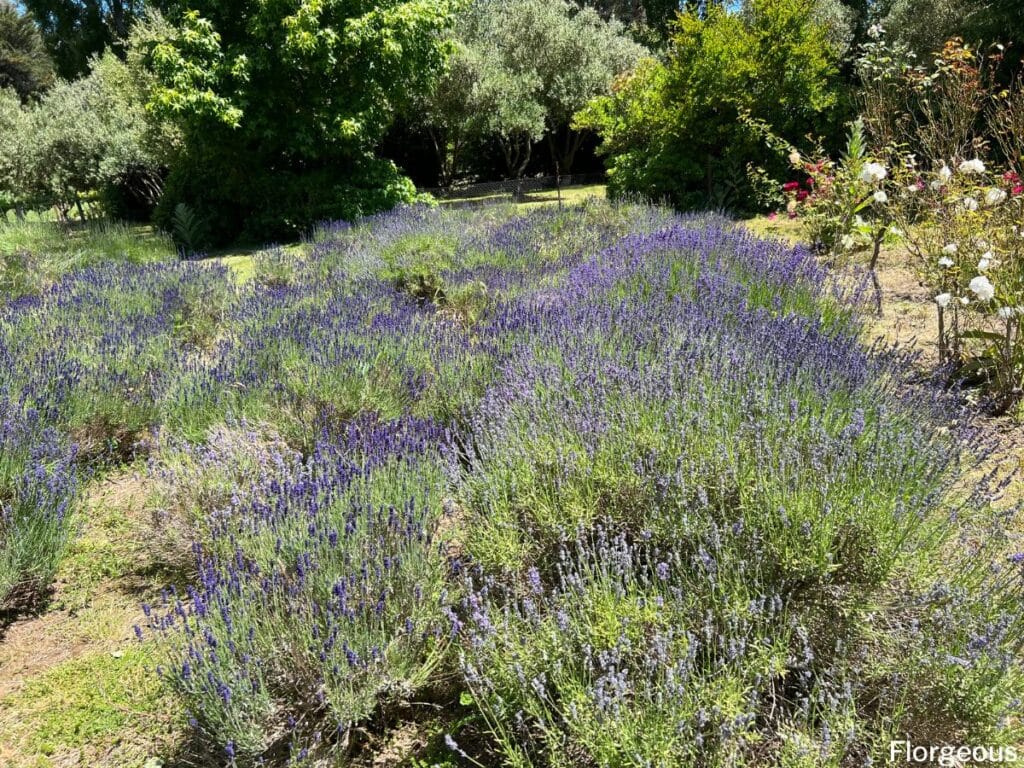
25 65
519 71
281 105
76 30
680 129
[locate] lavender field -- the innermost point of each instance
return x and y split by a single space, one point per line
602 486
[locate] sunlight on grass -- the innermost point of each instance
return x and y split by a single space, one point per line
791 230
537 199
102 709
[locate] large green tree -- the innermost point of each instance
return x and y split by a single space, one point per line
81 137
76 30
682 129
25 65
521 69
282 104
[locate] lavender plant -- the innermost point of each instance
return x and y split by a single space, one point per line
629 482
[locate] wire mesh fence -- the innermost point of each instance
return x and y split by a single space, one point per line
513 189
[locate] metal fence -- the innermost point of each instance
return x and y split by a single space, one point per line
512 188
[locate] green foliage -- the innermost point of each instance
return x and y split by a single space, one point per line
82 137
25 65
924 25
280 114
187 228
519 71
673 131
77 30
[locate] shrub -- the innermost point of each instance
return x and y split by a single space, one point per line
38 489
673 131
275 142
324 596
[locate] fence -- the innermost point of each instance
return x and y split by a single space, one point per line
512 188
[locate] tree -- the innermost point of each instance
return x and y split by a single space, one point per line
281 106
16 161
520 70
640 15
77 30
925 25
452 111
24 64
682 129
85 136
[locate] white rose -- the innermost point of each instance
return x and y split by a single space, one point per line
994 196
950 248
945 174
1006 313
972 166
986 261
946 262
881 197
982 288
873 172
970 204
943 299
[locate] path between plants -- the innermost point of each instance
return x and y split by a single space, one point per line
76 687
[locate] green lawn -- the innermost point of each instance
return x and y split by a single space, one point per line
542 197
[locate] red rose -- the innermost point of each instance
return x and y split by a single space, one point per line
791 186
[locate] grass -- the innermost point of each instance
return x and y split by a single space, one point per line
542 198
781 227
102 708
82 688
33 254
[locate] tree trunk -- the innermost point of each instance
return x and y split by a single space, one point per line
81 210
563 159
